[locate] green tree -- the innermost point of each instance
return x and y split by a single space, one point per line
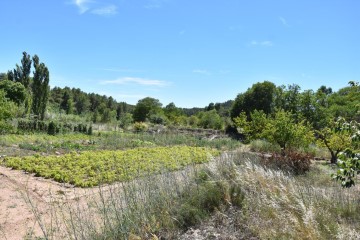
14 91
283 130
7 111
280 129
336 137
143 108
67 103
22 73
253 129
210 120
82 104
349 160
260 97
40 88
126 120
3 76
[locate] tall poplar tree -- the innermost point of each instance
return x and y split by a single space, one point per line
40 88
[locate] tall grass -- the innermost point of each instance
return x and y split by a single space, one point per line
273 204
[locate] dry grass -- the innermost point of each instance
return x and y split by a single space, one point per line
271 204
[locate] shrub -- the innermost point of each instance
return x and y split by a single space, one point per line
294 162
52 128
140 127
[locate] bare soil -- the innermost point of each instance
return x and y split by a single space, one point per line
21 195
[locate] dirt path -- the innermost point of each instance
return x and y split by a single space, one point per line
18 189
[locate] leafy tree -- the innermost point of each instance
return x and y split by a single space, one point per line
126 120
3 76
67 103
283 130
253 129
40 88
7 111
349 160
210 120
280 129
336 137
157 116
173 114
260 97
143 108
82 104
21 73
14 91
345 103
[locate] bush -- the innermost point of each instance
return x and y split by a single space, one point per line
263 146
293 162
52 128
140 127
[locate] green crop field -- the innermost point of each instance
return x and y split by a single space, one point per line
91 168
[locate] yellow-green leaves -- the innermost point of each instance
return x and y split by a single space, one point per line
92 168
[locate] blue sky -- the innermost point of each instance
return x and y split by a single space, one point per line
190 52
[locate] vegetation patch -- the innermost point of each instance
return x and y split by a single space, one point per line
90 168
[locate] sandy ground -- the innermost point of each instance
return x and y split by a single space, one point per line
21 193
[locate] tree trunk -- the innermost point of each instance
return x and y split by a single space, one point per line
333 157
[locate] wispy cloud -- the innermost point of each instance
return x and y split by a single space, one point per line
182 32
105 11
201 71
139 81
94 7
83 5
284 22
261 43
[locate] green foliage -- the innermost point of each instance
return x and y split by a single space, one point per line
22 73
144 107
336 137
125 120
284 131
253 129
140 127
7 111
280 129
349 168
40 88
52 128
349 162
259 97
87 169
14 91
210 120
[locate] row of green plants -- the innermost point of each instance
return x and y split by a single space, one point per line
52 127
50 144
91 168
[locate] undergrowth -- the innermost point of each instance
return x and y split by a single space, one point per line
271 204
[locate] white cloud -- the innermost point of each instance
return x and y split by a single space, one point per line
201 71
107 10
262 43
94 7
83 5
182 32
139 81
283 21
